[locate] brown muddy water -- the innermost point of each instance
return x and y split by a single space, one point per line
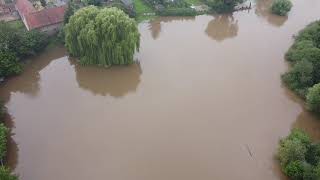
205 102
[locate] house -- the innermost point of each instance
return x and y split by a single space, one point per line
48 20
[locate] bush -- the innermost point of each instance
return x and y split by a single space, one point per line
291 150
313 154
313 98
300 77
295 170
299 158
3 140
301 50
221 6
20 41
5 174
281 7
178 12
304 56
9 64
2 111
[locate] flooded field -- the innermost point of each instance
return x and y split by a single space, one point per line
204 102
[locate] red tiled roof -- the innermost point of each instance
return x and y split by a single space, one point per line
38 19
45 17
24 7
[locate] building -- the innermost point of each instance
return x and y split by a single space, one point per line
48 20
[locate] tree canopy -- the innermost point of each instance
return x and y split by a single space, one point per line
281 7
102 37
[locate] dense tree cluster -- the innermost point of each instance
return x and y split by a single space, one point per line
221 6
5 173
281 7
304 56
102 37
299 157
16 43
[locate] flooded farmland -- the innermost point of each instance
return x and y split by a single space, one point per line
204 102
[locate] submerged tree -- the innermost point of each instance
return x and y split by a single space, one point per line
102 36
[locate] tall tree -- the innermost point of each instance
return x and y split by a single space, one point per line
102 37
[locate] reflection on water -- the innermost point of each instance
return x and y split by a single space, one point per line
222 27
115 81
193 113
263 10
28 82
155 25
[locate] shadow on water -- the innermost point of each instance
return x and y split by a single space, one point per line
263 10
222 27
29 81
306 120
115 81
155 25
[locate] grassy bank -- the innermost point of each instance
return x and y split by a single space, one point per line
142 10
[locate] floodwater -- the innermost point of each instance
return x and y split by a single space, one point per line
204 102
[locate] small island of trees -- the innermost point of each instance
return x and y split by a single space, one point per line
102 37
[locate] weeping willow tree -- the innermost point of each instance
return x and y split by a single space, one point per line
102 37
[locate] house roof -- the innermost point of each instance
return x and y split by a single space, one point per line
24 7
45 17
37 19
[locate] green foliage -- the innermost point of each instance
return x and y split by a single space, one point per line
294 170
20 41
9 64
15 43
3 140
300 77
178 12
5 174
299 158
91 2
313 154
313 98
221 6
102 37
2 111
304 56
291 150
281 7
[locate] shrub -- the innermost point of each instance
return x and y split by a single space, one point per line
2 111
281 7
9 64
311 33
5 174
313 154
299 159
313 98
291 150
3 140
300 50
221 6
178 12
20 41
304 55
300 78
295 170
